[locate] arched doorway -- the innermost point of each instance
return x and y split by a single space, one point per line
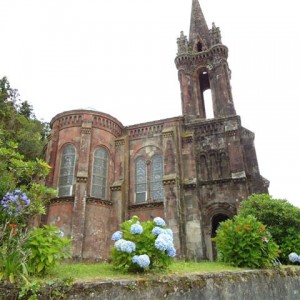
215 221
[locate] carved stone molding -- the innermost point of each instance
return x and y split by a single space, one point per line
146 130
215 181
187 138
86 127
189 183
226 208
168 134
203 57
117 186
85 130
119 143
169 179
138 206
232 133
61 200
91 200
82 177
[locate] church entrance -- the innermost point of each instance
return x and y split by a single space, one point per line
215 221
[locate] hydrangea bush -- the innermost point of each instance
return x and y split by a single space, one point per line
142 246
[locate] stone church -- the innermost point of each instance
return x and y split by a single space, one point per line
191 170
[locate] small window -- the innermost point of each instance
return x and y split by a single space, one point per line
140 180
199 47
156 188
99 179
66 173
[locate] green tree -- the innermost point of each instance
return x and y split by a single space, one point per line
281 217
18 122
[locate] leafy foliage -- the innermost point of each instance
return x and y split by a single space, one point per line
13 235
18 123
142 246
245 242
13 255
47 248
28 176
281 217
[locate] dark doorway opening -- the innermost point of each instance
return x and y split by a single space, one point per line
215 222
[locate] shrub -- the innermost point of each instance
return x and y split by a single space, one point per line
281 218
47 248
143 246
245 242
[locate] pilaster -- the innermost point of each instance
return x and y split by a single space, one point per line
78 218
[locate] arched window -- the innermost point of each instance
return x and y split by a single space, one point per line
199 47
66 173
100 168
206 95
156 187
140 180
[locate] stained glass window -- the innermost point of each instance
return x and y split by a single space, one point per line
66 174
140 180
100 167
156 187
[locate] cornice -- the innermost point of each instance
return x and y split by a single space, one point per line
138 206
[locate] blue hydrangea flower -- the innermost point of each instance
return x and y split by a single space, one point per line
128 246
60 233
163 242
169 232
157 230
135 259
119 243
117 235
166 237
136 229
294 257
161 245
159 221
171 252
143 261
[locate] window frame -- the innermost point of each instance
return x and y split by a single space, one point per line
101 175
70 173
148 180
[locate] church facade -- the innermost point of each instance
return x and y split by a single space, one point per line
191 170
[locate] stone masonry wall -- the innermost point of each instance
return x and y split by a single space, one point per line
279 284
247 285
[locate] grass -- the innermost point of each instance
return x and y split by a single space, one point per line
105 271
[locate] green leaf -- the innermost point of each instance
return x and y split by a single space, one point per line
12 278
50 258
40 267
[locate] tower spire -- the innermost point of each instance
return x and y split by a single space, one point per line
199 31
202 65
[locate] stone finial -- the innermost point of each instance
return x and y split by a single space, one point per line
215 35
182 44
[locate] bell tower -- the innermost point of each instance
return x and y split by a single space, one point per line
202 65
219 163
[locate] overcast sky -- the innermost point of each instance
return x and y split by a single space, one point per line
118 57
